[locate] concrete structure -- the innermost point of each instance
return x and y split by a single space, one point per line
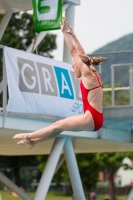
115 135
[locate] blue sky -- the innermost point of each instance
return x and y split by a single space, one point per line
98 22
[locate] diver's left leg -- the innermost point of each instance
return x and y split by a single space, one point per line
74 123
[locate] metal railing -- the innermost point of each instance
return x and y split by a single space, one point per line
113 85
117 77
131 86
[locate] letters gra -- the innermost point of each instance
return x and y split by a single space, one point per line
41 78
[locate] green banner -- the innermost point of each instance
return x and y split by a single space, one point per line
47 14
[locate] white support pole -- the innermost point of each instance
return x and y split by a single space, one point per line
130 195
73 170
49 169
4 85
65 6
131 85
100 68
42 34
132 88
70 12
112 84
1 86
5 22
61 160
40 37
13 187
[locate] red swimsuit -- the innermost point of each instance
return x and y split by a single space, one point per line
97 116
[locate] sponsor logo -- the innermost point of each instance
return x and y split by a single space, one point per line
35 77
47 9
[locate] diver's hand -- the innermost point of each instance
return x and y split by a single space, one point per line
70 30
63 25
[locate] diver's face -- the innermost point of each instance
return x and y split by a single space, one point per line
76 70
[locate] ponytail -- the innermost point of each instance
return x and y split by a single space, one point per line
91 61
96 61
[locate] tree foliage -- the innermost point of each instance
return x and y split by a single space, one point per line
20 32
109 163
88 168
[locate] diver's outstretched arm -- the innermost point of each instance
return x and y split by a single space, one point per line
79 47
71 47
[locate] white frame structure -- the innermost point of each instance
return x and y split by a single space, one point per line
51 167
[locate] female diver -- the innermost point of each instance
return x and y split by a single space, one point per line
91 90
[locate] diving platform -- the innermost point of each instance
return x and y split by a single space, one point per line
115 135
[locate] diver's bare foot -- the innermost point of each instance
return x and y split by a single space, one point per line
21 136
27 142
24 141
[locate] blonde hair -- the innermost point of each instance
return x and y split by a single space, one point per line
91 61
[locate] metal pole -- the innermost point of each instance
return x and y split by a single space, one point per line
13 187
49 169
61 160
100 68
65 6
70 12
131 85
130 195
40 37
112 83
73 170
4 85
1 86
5 22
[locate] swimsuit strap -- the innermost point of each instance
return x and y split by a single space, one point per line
95 87
98 82
98 79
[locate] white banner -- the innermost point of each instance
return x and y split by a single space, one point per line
41 85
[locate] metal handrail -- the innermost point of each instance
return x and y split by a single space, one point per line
112 79
131 86
116 89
